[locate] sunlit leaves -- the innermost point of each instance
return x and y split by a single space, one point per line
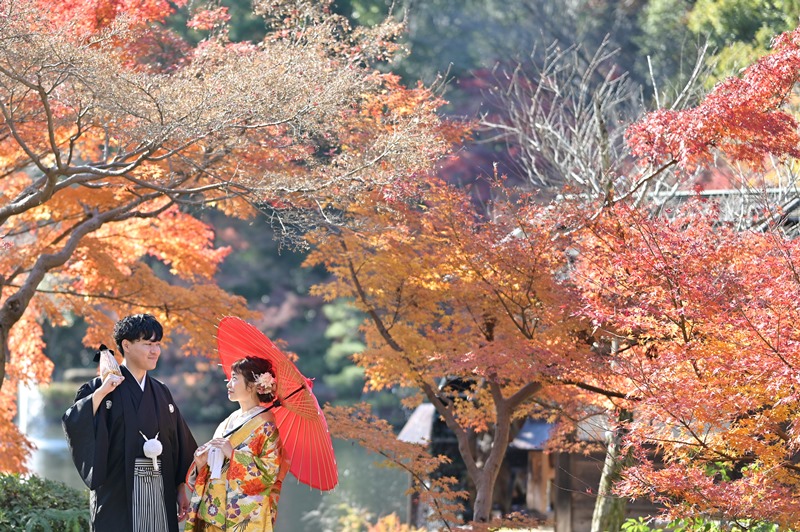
116 133
706 320
357 423
457 294
744 118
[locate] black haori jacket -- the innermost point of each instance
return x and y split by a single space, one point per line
105 446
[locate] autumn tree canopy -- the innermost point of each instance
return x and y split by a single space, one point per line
705 320
115 132
451 295
744 118
702 313
676 317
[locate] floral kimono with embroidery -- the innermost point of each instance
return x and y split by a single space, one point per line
245 497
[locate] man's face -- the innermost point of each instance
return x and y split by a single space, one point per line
141 355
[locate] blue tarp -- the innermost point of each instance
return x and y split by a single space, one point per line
533 435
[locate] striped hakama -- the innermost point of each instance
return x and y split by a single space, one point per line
149 513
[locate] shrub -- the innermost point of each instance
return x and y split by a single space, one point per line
35 504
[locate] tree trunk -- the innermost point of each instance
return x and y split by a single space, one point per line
15 305
10 313
484 484
482 510
609 511
3 353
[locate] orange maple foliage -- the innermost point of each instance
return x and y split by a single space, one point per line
706 319
707 315
700 321
675 322
94 15
357 423
453 295
115 132
745 118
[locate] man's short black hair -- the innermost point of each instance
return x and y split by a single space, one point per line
137 327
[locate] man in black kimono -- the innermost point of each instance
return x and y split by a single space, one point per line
106 429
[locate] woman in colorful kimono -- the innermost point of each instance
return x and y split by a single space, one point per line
237 476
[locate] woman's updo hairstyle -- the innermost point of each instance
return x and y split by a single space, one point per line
250 368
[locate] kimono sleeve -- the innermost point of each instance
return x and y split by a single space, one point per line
255 464
186 448
87 436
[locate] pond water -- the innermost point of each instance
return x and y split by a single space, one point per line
373 490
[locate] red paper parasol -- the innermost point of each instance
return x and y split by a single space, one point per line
301 424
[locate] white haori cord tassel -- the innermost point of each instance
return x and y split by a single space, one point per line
152 449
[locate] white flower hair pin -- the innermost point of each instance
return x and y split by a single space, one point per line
265 383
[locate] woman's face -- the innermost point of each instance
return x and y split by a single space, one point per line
238 387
